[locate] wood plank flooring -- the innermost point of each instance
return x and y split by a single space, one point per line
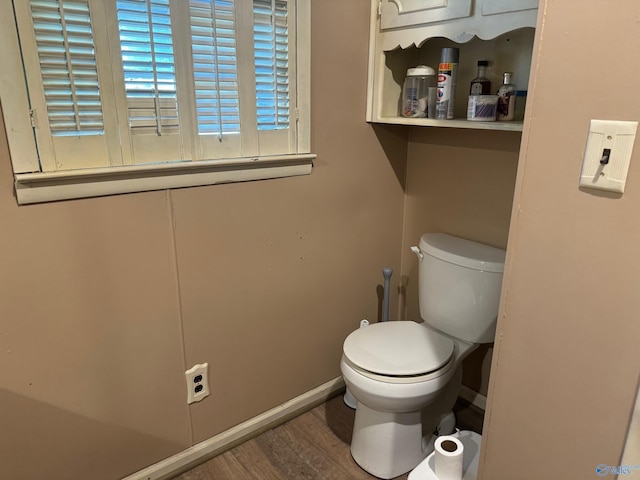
312 446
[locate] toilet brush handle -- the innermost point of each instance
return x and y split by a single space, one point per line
386 273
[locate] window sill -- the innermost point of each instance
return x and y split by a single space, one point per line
70 184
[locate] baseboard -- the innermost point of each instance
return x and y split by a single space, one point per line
473 397
203 451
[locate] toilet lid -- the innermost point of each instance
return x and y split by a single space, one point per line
398 348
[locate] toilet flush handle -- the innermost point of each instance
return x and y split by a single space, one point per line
417 251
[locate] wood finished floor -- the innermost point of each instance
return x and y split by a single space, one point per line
312 446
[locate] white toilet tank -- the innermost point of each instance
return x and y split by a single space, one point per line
459 285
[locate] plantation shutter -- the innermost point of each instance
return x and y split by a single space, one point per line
215 67
215 77
148 65
149 76
126 82
68 67
64 82
271 50
274 63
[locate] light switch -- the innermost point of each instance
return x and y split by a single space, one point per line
607 155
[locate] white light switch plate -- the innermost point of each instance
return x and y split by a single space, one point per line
616 138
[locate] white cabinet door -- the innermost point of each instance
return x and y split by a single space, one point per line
402 13
493 7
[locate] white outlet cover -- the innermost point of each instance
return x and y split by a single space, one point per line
197 382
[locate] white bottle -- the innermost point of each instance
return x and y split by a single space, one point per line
506 98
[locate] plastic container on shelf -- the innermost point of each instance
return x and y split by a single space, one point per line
482 108
415 91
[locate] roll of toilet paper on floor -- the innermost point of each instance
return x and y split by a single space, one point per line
448 458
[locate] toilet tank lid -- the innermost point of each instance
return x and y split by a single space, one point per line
463 252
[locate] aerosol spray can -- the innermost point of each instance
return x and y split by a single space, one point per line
447 78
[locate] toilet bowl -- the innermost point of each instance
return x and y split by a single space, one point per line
392 432
406 376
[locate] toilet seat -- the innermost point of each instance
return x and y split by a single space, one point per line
398 350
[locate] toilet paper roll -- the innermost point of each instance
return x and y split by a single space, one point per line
448 458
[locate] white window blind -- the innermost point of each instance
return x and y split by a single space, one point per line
148 65
68 66
118 83
215 67
271 47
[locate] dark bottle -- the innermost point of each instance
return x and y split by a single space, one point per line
481 85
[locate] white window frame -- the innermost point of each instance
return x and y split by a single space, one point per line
34 186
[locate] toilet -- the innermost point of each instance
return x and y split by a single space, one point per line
406 376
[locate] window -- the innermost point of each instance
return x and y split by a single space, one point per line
129 95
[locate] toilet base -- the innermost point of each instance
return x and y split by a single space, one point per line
387 444
349 400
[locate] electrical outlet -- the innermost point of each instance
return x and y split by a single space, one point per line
197 382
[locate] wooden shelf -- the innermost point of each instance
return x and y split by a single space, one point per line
513 126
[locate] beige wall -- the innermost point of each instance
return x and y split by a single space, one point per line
105 302
565 372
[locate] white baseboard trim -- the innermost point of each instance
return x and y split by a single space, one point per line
203 451
473 397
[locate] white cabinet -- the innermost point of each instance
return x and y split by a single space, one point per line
402 13
494 7
406 33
